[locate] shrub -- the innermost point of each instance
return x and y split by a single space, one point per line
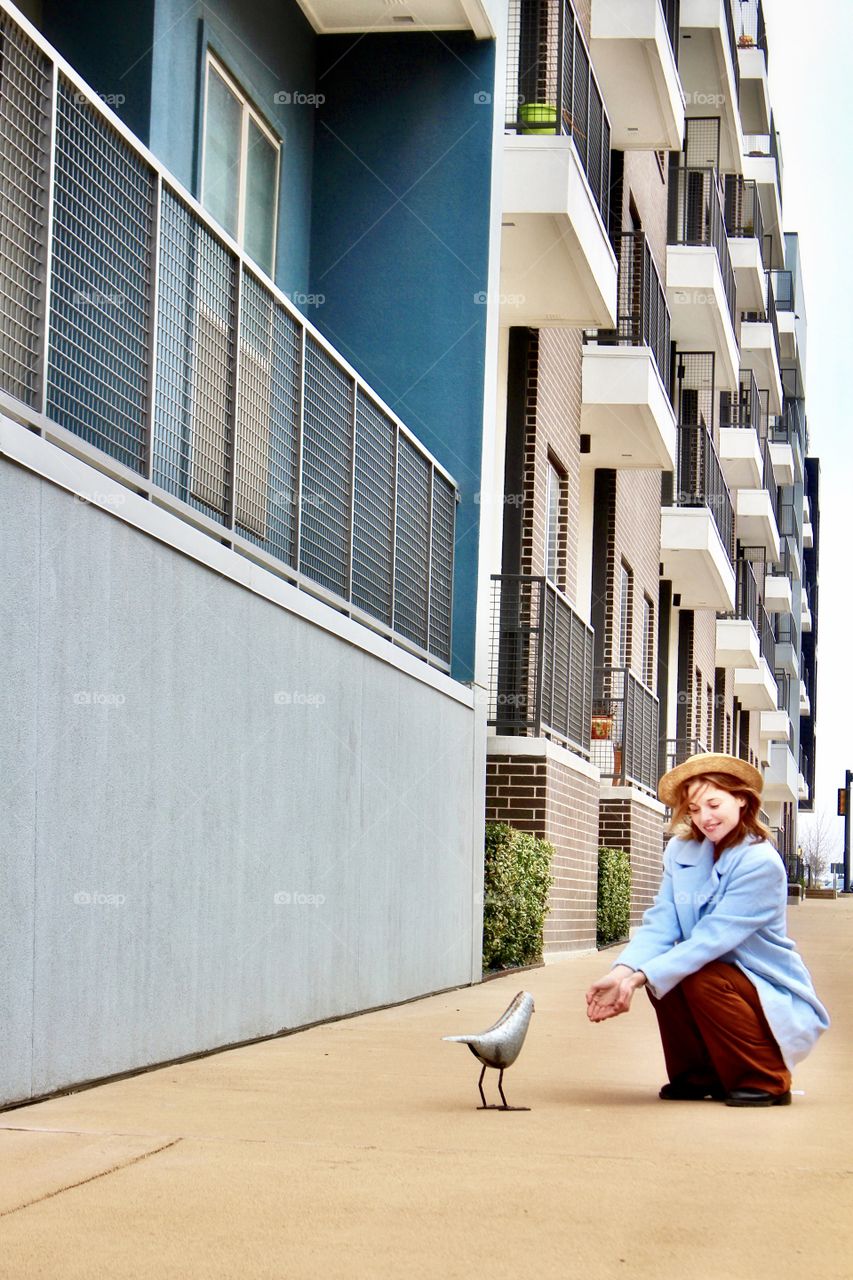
517 880
613 918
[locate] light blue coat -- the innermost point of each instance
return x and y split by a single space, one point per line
732 910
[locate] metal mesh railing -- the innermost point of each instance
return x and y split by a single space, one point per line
747 603
746 409
743 215
750 29
782 283
625 714
642 313
209 386
732 39
541 670
695 217
700 481
24 108
677 750
551 87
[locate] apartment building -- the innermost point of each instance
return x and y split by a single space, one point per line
649 586
245 404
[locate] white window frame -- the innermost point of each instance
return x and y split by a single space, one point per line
249 113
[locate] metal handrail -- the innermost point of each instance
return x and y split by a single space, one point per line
695 217
643 317
783 289
746 410
743 215
751 28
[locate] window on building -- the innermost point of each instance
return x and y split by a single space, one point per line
697 706
554 539
648 642
626 608
240 166
709 716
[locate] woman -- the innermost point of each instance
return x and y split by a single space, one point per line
735 1004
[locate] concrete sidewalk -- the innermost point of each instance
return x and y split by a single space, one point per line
355 1149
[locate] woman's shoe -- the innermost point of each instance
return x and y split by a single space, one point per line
689 1091
757 1098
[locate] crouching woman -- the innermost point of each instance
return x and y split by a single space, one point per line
735 1005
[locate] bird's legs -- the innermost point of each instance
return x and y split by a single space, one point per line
493 1106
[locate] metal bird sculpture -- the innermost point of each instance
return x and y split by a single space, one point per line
500 1045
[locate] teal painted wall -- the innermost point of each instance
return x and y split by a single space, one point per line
399 248
110 45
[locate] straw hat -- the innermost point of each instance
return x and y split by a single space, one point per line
707 762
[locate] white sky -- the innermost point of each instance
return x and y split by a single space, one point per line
811 90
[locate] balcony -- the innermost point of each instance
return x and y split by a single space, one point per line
787 635
626 405
759 347
680 749
745 232
778 594
358 17
740 429
757 511
755 687
697 526
557 264
625 729
775 726
710 72
737 638
149 345
541 669
752 54
700 281
805 612
762 163
781 778
632 50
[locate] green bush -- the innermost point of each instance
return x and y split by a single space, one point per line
515 902
613 919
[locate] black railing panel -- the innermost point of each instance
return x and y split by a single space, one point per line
700 481
743 216
541 663
643 317
625 729
552 89
696 217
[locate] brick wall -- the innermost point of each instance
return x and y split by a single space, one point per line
647 185
551 800
637 542
552 428
628 824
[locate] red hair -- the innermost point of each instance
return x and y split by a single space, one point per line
750 826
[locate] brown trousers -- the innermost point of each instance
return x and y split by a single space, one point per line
714 1032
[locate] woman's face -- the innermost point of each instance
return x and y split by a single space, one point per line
713 811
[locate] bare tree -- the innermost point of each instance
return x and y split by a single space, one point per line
820 841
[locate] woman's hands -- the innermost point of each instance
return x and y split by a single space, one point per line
611 995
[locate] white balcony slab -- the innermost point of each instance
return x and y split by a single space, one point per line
805 702
701 320
782 456
740 457
807 508
787 323
557 264
805 614
781 776
758 352
755 523
745 253
706 68
778 593
736 644
756 689
695 560
787 659
802 788
625 410
775 725
343 17
636 70
754 90
808 535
